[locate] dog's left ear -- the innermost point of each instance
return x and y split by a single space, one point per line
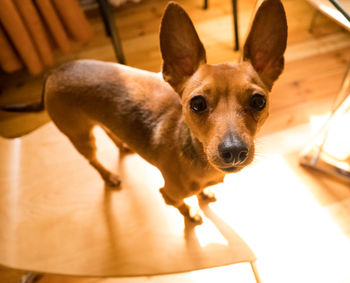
181 48
267 40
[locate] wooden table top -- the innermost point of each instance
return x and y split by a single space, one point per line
56 215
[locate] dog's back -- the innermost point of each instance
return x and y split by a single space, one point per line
85 93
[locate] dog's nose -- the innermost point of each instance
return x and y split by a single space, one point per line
233 150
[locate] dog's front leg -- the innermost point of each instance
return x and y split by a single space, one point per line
110 178
184 208
123 148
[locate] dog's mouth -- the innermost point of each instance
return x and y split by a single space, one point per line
232 169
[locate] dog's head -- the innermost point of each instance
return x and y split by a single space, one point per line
224 105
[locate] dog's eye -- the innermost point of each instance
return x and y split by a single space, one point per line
198 104
258 101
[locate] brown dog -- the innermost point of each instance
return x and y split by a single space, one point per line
195 128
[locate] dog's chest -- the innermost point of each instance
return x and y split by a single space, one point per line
197 181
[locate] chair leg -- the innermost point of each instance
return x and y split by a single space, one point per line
31 277
235 24
205 4
111 29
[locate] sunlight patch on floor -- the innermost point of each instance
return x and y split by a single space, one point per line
295 239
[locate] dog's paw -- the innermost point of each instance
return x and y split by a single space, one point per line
207 196
191 214
196 219
194 215
113 181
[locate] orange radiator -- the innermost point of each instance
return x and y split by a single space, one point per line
31 29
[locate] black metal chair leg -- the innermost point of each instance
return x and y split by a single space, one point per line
111 29
205 4
31 277
235 23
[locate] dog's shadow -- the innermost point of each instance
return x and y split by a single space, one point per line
138 207
234 249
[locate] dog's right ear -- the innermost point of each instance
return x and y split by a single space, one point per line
181 48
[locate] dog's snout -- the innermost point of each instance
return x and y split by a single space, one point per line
233 150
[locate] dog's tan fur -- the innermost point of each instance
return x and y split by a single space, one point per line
154 118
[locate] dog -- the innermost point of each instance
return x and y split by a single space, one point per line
195 125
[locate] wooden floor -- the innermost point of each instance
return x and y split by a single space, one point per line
315 65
